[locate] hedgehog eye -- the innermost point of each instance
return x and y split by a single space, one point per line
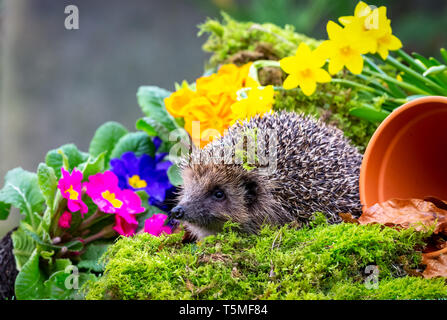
218 195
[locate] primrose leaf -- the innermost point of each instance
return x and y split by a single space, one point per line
30 280
55 286
22 191
23 247
174 175
90 258
151 101
153 128
75 157
137 142
47 180
105 139
93 165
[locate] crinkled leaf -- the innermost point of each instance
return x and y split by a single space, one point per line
93 166
90 258
47 183
137 142
30 280
75 157
22 191
105 139
153 128
24 246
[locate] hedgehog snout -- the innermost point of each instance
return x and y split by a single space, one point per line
178 212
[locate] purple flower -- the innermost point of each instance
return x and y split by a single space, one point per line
144 173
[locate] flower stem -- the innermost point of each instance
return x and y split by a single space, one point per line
401 84
416 75
107 232
89 221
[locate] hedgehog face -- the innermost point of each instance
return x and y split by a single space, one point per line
212 195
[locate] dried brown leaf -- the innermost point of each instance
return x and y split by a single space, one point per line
436 266
407 213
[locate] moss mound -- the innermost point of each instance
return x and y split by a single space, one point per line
319 262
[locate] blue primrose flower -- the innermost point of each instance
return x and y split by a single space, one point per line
144 173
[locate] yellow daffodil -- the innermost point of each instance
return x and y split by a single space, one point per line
259 101
304 69
387 42
344 48
377 35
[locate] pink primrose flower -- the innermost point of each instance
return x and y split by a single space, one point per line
155 225
70 186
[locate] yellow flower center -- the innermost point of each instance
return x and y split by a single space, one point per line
346 51
136 182
111 198
306 73
74 195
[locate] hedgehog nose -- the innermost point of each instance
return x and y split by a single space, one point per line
178 212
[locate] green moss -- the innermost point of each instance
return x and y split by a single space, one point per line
331 103
230 36
322 262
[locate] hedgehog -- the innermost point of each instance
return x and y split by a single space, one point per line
273 169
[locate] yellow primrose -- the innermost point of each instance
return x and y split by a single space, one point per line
344 48
304 69
259 101
176 102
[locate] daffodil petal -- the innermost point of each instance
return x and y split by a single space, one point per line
395 43
361 9
383 52
308 87
333 29
290 82
303 52
355 65
346 20
289 64
322 76
335 65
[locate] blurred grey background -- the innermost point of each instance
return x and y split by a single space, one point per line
58 85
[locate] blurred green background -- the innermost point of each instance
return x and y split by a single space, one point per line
58 86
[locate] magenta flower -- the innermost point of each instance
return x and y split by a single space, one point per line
65 220
70 186
105 193
155 225
125 227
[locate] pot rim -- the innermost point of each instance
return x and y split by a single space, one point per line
394 114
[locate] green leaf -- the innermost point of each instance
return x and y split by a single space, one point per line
369 114
22 191
23 247
90 258
151 101
175 176
75 157
137 142
30 280
153 128
4 210
47 181
93 166
434 70
55 288
105 139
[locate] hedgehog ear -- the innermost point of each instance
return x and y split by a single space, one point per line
251 188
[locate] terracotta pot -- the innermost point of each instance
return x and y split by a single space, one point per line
407 155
